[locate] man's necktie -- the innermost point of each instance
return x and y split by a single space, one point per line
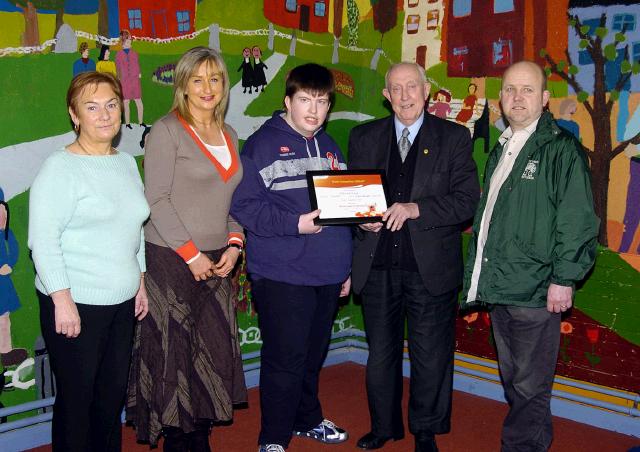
404 145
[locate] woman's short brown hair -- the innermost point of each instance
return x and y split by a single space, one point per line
187 65
85 80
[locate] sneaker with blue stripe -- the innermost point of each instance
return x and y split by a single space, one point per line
326 432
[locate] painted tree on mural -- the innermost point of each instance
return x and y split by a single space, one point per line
103 18
600 105
385 16
31 36
353 20
338 7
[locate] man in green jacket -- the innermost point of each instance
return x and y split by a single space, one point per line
534 237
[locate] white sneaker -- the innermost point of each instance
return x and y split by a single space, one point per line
271 448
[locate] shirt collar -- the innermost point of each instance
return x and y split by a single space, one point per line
508 133
413 128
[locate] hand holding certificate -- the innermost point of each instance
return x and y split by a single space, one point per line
348 197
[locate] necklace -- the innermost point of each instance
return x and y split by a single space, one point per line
111 150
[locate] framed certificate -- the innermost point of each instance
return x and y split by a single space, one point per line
348 197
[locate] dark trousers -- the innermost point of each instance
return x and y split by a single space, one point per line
388 298
295 325
91 374
527 341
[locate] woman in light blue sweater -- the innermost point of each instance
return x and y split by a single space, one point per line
86 210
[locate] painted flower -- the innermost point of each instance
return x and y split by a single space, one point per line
470 318
566 328
593 334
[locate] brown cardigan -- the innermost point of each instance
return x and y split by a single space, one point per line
189 194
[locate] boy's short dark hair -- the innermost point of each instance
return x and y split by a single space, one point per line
310 77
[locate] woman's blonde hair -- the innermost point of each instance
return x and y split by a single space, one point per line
188 64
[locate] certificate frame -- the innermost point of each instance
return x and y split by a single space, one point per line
369 209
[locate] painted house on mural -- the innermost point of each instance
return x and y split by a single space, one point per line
483 37
620 14
158 18
305 15
422 38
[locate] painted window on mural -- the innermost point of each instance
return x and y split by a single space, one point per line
502 6
320 9
635 52
433 17
612 71
592 24
135 19
413 3
502 53
461 8
626 21
413 24
291 5
184 25
459 60
584 58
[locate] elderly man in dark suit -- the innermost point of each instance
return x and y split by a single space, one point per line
409 266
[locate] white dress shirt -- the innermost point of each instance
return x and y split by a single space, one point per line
512 142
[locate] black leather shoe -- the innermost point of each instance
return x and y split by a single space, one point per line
426 444
372 441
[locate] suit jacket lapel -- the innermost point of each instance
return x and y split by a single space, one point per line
428 149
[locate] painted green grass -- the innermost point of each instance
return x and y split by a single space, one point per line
38 94
368 91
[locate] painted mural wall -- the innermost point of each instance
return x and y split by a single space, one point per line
590 48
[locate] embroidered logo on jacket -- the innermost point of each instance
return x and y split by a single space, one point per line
333 161
530 170
284 149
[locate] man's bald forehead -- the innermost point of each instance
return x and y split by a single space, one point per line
535 68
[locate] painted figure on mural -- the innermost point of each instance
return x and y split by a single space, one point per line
84 63
441 107
9 301
247 70
567 109
632 211
128 67
259 77
104 63
468 104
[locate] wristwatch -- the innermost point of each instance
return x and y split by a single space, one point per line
235 245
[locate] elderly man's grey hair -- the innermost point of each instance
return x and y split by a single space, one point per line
419 69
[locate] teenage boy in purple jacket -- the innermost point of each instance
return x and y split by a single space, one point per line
298 270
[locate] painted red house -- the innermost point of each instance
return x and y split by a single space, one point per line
305 15
484 36
157 18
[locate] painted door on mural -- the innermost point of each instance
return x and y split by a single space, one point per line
159 27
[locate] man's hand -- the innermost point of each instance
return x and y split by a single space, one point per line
398 213
371 227
201 268
141 301
227 261
306 225
559 298
346 287
66 313
5 270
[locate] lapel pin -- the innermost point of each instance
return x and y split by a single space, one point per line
426 151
